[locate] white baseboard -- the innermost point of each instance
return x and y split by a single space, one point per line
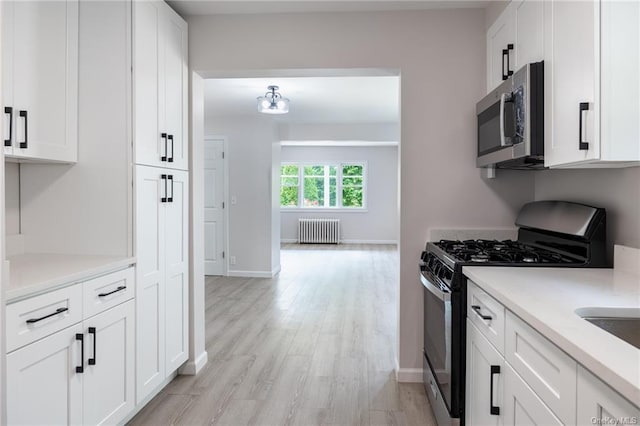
293 240
191 368
409 375
251 274
275 271
368 242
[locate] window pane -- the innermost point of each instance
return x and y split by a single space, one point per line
333 193
314 171
289 170
289 181
288 196
352 197
352 181
313 192
333 170
351 170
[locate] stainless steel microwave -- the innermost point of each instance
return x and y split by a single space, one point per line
511 121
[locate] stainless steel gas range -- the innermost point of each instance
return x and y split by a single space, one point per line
550 234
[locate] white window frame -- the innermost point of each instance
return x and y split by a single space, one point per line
327 194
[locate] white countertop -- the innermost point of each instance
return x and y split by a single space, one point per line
546 299
33 274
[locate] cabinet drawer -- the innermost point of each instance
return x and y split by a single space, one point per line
544 367
487 314
107 291
40 316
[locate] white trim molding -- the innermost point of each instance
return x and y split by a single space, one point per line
191 368
339 143
347 241
254 274
409 375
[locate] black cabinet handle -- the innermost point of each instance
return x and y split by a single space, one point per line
495 411
23 114
9 110
505 52
583 146
170 159
477 309
58 311
163 136
122 287
80 368
164 199
170 199
92 361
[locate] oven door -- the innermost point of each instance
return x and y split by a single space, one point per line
437 334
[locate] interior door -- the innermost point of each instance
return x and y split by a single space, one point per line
214 224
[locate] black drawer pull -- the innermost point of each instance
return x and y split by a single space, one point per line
24 115
9 110
493 410
170 159
92 361
164 137
58 311
583 146
122 287
80 368
164 199
170 199
477 309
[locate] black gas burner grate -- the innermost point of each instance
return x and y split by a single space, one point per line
493 251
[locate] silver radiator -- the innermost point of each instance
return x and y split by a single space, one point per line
319 231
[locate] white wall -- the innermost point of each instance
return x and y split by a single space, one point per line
275 203
86 208
12 198
379 223
326 131
249 161
617 190
441 57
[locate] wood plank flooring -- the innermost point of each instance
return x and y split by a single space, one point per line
313 346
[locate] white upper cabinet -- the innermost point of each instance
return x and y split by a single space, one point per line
592 88
40 79
160 86
501 39
514 40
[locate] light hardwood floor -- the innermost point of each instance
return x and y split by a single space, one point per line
313 346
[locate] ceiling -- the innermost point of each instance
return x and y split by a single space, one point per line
313 99
214 7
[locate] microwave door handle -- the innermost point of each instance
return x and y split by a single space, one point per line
503 100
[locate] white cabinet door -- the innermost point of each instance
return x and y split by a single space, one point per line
501 39
177 272
160 86
174 76
40 59
529 15
484 380
150 279
521 405
109 369
42 382
571 82
599 404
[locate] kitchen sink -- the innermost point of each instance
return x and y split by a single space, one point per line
624 323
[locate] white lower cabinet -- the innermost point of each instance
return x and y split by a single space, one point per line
42 384
109 371
600 405
520 378
82 374
521 405
484 379
162 275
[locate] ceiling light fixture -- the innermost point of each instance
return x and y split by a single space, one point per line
272 102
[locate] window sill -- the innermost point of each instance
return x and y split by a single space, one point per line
323 210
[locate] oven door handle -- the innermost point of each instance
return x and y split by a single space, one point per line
442 295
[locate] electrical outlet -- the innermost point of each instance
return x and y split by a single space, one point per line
232 260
